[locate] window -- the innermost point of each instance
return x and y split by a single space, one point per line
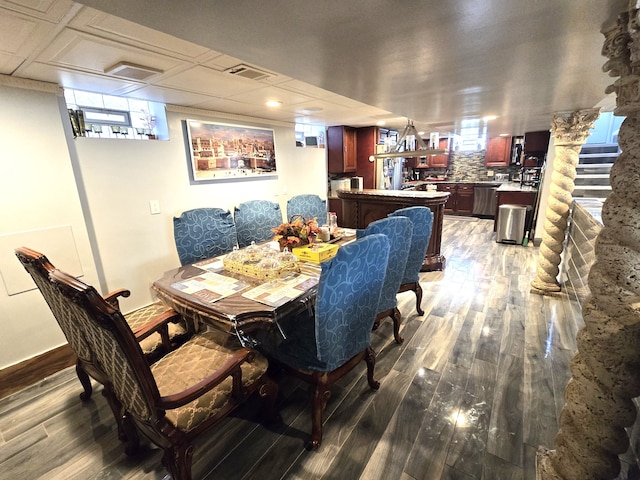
473 135
106 116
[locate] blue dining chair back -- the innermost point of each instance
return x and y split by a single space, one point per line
309 206
398 230
255 219
321 347
203 233
422 220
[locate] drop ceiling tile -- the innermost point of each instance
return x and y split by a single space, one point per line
164 95
265 93
73 49
124 31
20 34
228 106
301 87
210 82
74 79
52 10
8 63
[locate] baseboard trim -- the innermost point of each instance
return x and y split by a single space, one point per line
16 377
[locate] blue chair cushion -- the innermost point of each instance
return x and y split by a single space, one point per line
255 219
203 233
309 206
398 230
345 309
422 220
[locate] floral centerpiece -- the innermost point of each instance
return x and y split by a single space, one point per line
296 232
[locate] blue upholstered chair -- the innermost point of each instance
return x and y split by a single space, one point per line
321 348
255 219
203 233
422 219
309 206
398 230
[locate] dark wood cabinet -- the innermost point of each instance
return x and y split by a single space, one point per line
367 139
460 199
498 152
334 205
464 199
441 161
341 149
536 143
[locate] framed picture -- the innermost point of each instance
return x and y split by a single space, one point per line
220 151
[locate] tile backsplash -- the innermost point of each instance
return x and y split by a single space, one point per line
469 167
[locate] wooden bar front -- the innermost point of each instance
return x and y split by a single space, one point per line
359 208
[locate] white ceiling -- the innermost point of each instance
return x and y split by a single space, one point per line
336 62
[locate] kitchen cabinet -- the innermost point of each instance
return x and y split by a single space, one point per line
460 199
341 149
498 152
433 161
536 143
367 139
441 161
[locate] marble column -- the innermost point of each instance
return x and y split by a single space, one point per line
606 370
570 130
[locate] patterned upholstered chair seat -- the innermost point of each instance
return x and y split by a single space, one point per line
255 219
422 220
309 206
153 343
321 346
182 395
398 230
203 233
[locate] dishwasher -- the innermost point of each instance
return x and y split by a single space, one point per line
484 201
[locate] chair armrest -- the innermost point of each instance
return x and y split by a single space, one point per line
112 297
157 324
230 368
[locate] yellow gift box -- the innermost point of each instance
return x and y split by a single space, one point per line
317 252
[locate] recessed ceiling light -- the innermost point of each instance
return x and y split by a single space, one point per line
489 117
504 134
380 123
273 103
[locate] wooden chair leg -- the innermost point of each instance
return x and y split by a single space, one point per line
269 392
319 396
370 359
418 290
397 320
85 381
177 460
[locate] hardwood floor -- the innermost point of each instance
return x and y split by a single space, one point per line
476 387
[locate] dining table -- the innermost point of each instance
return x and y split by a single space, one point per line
207 293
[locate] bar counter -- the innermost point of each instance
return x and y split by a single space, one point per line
359 208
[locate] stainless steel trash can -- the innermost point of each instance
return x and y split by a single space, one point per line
510 227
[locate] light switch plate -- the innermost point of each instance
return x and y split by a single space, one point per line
154 207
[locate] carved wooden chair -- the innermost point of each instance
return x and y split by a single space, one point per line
180 396
321 346
422 220
152 326
398 230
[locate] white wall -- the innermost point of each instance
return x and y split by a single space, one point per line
37 193
116 180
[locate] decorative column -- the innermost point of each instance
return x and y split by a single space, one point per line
570 130
606 369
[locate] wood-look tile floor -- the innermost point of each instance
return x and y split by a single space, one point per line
476 387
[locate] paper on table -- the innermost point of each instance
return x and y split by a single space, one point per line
210 287
280 291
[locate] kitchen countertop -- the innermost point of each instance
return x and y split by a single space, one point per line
515 187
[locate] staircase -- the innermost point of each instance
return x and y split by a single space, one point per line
592 178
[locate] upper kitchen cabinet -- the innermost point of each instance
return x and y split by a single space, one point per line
498 152
441 161
536 143
341 149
